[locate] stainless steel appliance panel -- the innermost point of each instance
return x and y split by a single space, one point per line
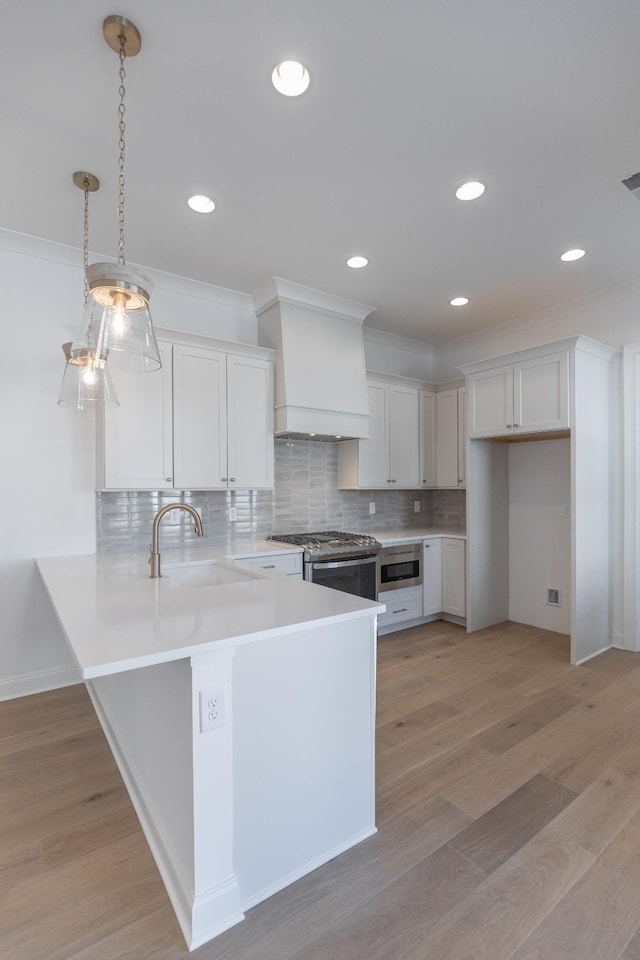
400 567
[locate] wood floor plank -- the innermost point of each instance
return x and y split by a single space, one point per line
400 731
505 734
503 910
503 830
581 925
480 787
392 922
450 733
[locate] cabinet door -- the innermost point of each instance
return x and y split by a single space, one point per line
404 432
541 394
453 577
447 438
250 422
432 576
427 439
200 418
462 436
134 440
373 454
490 399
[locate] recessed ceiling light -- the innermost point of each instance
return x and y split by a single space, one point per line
459 301
201 203
290 78
470 191
357 262
570 255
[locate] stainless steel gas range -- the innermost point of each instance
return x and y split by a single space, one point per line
344 561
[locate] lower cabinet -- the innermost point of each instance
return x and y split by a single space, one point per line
432 576
401 605
286 564
443 590
454 593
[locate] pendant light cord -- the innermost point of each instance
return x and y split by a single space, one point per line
85 239
122 149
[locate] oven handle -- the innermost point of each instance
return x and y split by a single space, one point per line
321 565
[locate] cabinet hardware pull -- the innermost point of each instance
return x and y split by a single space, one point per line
269 566
404 610
516 424
508 426
169 479
224 479
232 479
427 545
393 481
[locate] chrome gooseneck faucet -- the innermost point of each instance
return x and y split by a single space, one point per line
154 558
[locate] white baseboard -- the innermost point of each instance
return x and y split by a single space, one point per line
269 891
618 641
38 682
579 663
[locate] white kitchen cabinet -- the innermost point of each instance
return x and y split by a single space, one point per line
402 605
432 576
390 458
530 396
453 577
447 438
286 564
462 436
428 452
204 421
135 440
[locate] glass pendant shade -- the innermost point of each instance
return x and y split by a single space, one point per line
117 320
86 380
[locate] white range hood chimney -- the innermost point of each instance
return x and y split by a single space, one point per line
321 384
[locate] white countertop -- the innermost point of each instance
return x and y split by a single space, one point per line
116 618
390 537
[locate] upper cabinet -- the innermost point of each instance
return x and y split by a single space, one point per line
204 421
389 458
530 396
416 439
450 437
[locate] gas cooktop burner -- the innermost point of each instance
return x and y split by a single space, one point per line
330 542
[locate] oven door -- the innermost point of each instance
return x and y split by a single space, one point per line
351 576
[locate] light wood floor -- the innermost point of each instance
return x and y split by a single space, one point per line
508 814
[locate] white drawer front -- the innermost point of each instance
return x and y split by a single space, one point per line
401 605
287 564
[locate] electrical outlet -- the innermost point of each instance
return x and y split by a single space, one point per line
212 709
372 508
553 597
233 513
416 506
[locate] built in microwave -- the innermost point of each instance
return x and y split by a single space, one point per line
399 566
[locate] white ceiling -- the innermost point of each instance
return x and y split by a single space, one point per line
540 99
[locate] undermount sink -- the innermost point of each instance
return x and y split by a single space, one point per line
205 573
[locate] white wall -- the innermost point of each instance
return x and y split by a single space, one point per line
611 317
47 480
540 532
404 358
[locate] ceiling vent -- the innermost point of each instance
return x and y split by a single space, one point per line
633 183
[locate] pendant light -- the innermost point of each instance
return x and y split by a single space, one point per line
86 381
117 319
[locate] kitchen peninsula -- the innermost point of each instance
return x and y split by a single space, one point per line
240 708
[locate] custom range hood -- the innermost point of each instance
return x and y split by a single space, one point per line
321 384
